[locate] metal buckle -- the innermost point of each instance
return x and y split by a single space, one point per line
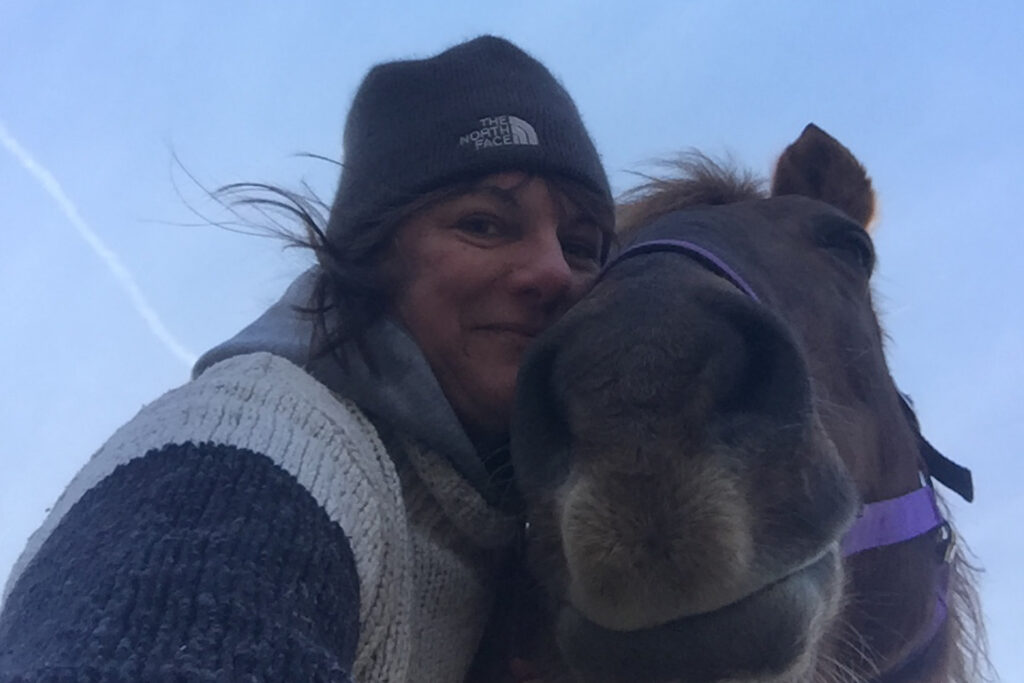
947 542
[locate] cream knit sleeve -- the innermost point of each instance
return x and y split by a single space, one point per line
265 405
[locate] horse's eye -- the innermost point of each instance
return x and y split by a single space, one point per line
848 242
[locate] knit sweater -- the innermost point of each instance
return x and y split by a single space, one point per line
251 525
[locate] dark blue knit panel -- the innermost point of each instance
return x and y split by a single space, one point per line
193 563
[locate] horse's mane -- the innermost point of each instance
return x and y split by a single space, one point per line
968 644
692 178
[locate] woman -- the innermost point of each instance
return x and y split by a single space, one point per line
323 500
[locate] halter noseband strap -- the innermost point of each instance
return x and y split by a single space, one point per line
892 521
705 256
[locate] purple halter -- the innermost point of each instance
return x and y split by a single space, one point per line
881 523
705 256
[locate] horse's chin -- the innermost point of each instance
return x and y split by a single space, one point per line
765 636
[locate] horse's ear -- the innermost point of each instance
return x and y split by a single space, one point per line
818 166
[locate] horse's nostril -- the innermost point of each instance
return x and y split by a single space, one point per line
767 376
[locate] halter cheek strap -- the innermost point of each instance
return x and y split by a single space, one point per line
956 477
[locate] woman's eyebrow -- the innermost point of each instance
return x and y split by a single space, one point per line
509 197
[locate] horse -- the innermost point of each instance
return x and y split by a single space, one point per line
721 480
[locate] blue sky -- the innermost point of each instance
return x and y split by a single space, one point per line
928 95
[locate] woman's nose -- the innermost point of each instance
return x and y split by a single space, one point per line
542 270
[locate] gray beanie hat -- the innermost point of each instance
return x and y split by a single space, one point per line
480 107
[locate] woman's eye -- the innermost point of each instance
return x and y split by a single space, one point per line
481 226
583 252
586 250
582 244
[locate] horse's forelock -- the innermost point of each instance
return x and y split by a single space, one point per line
692 179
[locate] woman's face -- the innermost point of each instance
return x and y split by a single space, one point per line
484 273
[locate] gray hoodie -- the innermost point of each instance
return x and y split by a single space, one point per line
402 392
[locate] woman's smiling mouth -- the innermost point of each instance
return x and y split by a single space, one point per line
527 330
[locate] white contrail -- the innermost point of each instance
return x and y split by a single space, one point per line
109 258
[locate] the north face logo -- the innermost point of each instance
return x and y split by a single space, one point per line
498 131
